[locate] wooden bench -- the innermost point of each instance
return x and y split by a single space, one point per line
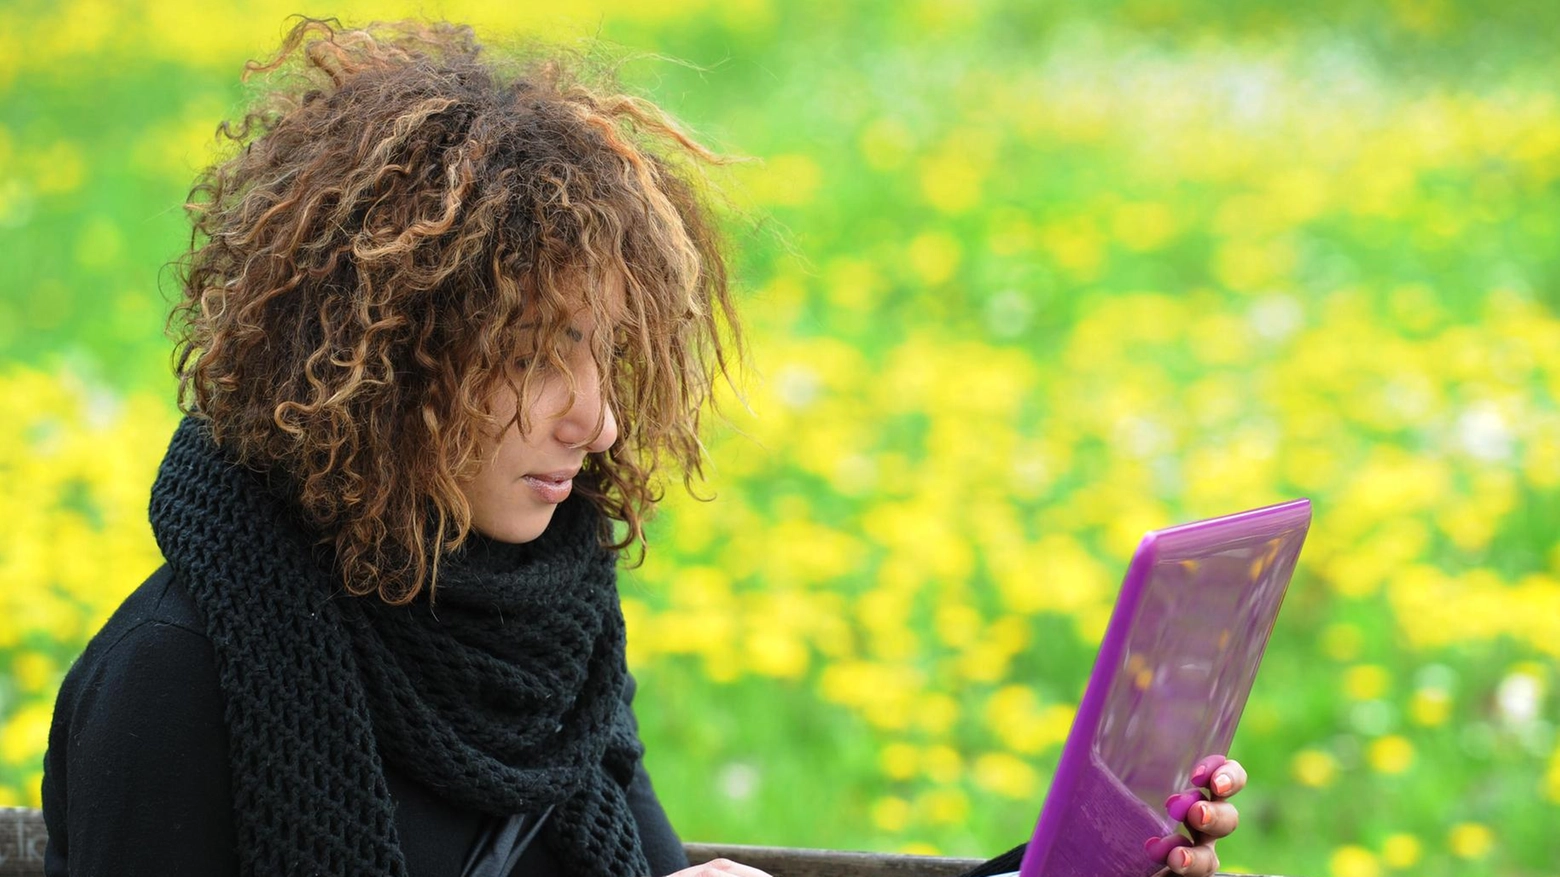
22 838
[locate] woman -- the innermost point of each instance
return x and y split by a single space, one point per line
441 323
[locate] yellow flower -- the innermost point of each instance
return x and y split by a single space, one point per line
33 672
1390 754
1400 851
1353 861
886 144
943 806
855 284
1314 768
951 181
1430 707
900 761
958 624
26 734
785 180
891 813
1007 775
1552 778
1248 267
777 653
1077 247
58 169
1143 226
934 256
1470 840
942 764
936 713
1365 682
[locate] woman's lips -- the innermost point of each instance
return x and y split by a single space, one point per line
551 487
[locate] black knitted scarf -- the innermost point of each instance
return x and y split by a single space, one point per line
503 695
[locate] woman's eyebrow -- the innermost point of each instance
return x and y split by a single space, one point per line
573 333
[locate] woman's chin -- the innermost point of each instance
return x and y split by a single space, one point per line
516 528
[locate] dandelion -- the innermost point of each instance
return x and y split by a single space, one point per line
1353 861
891 813
1007 775
1314 768
1430 706
900 761
934 256
1470 840
1365 682
1400 851
1391 754
25 734
942 763
943 806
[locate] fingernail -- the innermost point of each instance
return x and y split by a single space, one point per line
1183 857
1204 815
1158 848
1179 804
1205 767
1154 847
1222 783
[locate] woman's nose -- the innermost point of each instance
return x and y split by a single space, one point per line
577 424
609 430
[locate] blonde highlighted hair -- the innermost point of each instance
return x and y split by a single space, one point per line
394 209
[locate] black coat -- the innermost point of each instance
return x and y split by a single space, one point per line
137 779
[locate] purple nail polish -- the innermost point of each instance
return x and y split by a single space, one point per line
1203 772
1178 805
1159 848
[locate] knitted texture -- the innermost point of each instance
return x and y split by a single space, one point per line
503 694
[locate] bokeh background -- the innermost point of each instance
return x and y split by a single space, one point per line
1023 280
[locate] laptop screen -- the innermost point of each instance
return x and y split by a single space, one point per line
1168 687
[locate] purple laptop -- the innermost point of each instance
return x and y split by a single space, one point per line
1168 687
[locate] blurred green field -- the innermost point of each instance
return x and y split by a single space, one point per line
1023 281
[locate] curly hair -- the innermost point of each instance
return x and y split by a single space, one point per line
394 211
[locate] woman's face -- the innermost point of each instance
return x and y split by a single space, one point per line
513 497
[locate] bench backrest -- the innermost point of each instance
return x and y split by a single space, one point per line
22 839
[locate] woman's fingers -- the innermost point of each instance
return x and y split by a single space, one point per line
1203 771
1197 861
1160 848
1228 779
1208 820
1212 819
720 868
1221 776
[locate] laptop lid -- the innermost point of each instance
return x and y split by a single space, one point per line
1168 687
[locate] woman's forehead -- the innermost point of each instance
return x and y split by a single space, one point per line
593 296
612 290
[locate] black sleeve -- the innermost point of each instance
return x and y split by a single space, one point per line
662 847
136 777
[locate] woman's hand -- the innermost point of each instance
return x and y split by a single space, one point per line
1208 816
719 868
